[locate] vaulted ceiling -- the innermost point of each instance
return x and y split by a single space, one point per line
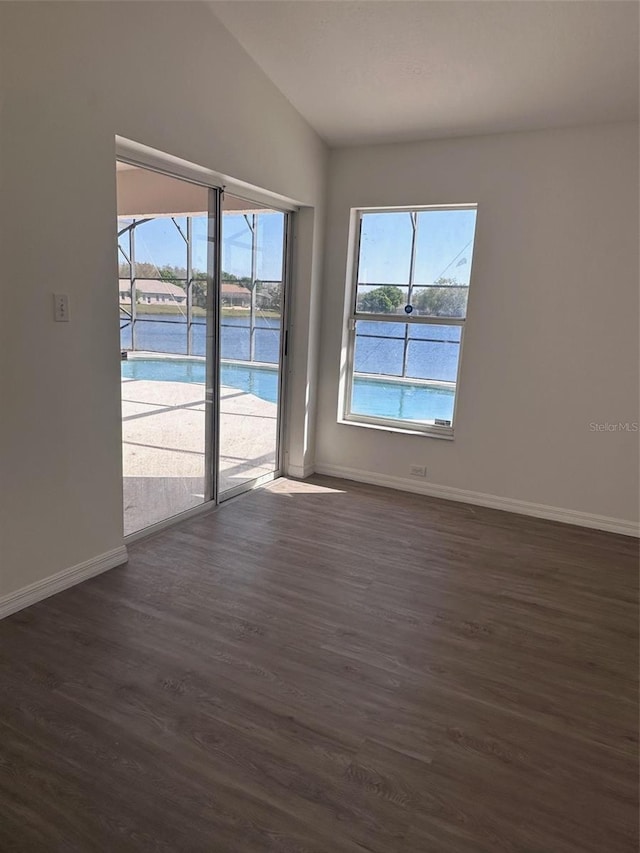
380 71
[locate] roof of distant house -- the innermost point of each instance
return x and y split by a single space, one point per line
152 286
231 287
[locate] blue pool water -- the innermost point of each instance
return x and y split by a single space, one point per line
370 396
399 400
260 381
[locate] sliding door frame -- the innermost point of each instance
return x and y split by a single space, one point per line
287 243
212 497
212 348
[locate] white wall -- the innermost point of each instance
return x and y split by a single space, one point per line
551 343
73 76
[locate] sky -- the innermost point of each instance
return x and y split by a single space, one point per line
159 242
444 245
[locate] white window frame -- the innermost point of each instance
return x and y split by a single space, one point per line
434 430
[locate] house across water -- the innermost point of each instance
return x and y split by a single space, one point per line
152 292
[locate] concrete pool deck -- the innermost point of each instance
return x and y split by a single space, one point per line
163 434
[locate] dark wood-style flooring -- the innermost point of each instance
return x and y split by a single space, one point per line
331 668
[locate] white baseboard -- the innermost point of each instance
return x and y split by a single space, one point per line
300 472
35 592
553 513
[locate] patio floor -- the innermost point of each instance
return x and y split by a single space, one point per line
163 428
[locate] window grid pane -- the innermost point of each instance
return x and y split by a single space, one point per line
411 264
431 355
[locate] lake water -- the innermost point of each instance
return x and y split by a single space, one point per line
432 350
432 353
168 333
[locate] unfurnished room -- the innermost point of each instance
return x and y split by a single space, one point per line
320 421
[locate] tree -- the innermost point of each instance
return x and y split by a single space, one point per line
381 300
270 296
176 275
445 298
199 289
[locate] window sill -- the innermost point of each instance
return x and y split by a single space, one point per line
445 433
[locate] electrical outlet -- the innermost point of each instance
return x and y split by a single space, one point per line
418 471
61 307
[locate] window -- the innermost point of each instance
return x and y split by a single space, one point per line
405 324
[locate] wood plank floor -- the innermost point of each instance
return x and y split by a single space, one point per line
331 668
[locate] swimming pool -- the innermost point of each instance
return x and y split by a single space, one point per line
371 396
401 400
258 380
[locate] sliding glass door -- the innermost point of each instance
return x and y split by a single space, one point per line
202 343
252 291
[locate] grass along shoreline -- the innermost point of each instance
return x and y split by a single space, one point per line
226 311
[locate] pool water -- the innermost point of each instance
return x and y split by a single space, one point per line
373 397
164 369
400 400
260 381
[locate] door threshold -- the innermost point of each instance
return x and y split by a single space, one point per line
202 509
